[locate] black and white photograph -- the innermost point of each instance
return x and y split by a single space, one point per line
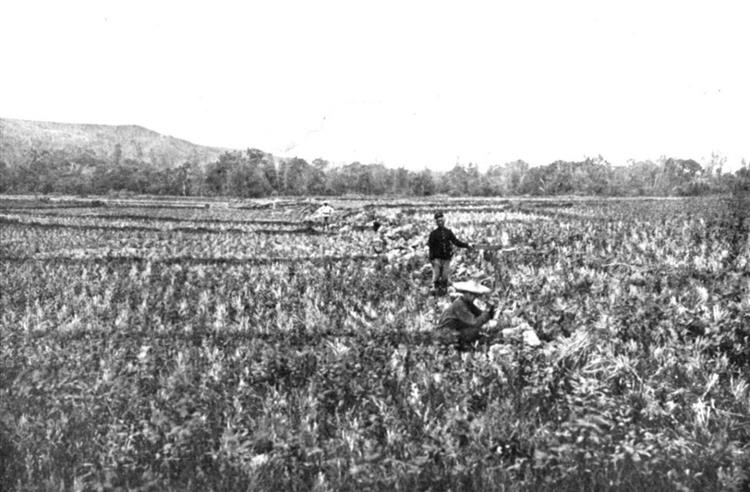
374 246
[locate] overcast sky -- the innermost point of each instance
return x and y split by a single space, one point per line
418 84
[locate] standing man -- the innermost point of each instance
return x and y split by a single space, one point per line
379 241
325 213
441 243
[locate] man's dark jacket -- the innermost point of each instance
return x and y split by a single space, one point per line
440 243
461 322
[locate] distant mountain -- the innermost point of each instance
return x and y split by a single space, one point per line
20 138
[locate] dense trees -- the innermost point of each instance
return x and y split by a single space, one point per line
254 173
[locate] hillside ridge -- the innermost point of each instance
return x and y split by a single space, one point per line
20 138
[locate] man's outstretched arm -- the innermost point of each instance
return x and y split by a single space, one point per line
458 242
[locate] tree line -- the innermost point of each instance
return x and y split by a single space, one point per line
254 174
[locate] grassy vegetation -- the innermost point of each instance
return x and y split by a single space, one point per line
152 350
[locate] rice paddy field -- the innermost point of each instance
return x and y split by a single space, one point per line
188 344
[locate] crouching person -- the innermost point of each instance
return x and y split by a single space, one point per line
461 322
